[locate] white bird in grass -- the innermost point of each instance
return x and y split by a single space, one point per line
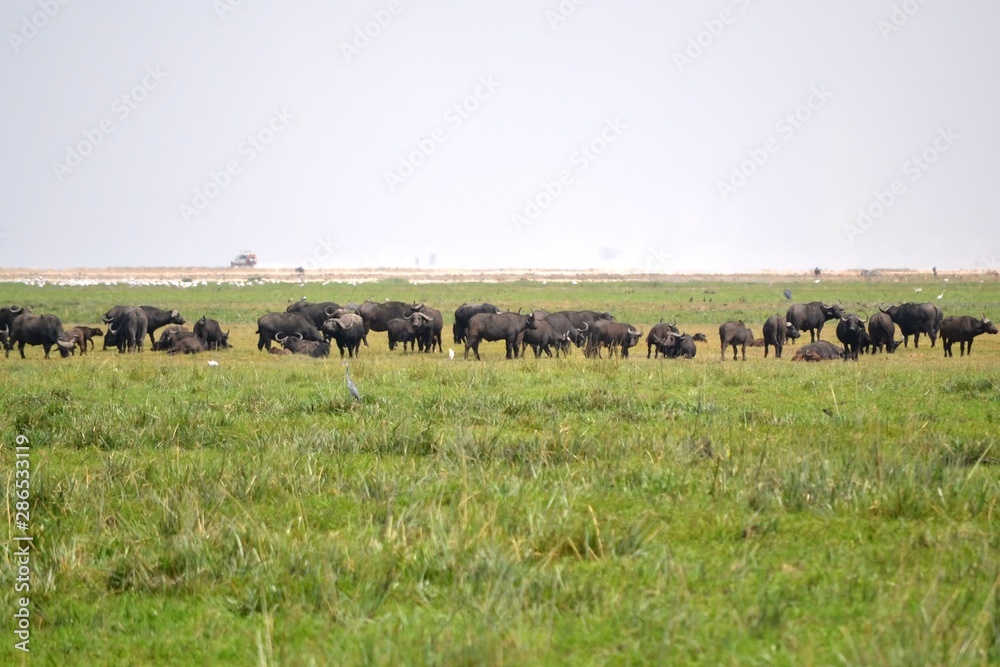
351 387
451 353
918 289
941 295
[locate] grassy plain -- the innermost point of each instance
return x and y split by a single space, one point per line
546 511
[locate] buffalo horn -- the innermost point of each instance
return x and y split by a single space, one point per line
863 319
281 337
585 328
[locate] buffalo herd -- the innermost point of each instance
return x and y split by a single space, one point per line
312 328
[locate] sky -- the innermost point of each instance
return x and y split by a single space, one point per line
637 135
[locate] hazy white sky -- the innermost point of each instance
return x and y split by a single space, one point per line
677 135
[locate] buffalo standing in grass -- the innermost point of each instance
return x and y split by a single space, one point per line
962 329
377 316
430 335
497 326
612 335
735 334
812 316
155 318
851 332
83 337
347 329
882 333
914 319
464 313
776 331
407 330
821 350
542 339
129 327
30 329
270 324
317 312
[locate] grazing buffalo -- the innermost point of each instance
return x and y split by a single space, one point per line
658 333
675 345
882 333
612 335
962 329
377 316
464 313
296 343
155 318
542 338
497 326
812 316
30 329
851 332
348 330
430 335
210 334
914 319
269 324
821 350
407 330
776 331
735 334
316 312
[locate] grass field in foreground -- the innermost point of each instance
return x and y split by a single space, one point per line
545 511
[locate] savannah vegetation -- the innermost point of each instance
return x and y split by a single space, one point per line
545 511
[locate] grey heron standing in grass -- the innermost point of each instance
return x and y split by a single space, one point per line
351 387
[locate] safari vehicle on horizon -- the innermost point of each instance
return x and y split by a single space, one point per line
245 258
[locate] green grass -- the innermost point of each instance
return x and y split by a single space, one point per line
524 512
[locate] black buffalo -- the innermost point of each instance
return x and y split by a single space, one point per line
296 344
30 329
882 333
8 313
407 330
464 313
735 334
776 331
129 326
155 318
347 329
497 326
167 337
377 316
659 333
614 336
210 334
317 312
914 319
851 332
430 335
543 338
675 345
812 316
821 350
269 324
962 329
